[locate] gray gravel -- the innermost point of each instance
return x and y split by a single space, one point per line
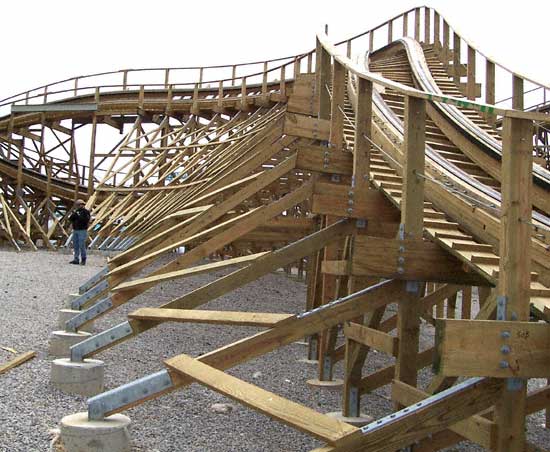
32 288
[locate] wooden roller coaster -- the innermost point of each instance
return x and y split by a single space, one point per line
387 177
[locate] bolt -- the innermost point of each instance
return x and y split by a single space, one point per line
505 349
505 335
504 365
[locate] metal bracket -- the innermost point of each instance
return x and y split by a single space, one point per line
514 384
502 300
81 301
127 394
90 345
412 287
89 314
361 223
335 178
93 281
353 395
411 410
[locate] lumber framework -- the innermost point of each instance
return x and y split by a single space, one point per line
329 173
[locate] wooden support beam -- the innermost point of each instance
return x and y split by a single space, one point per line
306 127
434 414
298 416
261 319
337 105
480 347
514 277
363 133
371 338
478 429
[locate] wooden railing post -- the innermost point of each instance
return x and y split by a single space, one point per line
412 209
244 99
220 96
471 74
437 25
233 75
490 89
446 39
322 71
124 79
517 93
195 107
456 59
427 25
371 41
363 133
282 88
515 276
75 90
390 31
417 24
337 105
405 24
264 80
166 77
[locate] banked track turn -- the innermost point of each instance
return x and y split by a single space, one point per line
333 173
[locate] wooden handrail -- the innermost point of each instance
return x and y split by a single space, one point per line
413 92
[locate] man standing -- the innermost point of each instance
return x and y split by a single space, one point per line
80 220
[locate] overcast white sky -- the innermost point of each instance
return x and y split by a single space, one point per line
45 41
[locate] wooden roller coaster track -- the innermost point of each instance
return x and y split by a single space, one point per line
384 179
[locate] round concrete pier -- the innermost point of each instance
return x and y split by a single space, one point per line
83 378
359 421
68 314
79 434
61 342
335 384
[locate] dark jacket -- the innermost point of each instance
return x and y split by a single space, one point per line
80 219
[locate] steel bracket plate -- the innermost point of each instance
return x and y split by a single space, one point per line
82 349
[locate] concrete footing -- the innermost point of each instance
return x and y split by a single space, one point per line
79 434
335 384
83 378
70 298
68 314
359 421
61 342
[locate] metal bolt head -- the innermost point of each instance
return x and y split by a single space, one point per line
504 364
505 349
505 334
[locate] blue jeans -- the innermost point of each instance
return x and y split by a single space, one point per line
79 243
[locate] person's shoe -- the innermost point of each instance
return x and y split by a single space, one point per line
83 262
74 261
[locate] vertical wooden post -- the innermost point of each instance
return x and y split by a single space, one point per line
336 115
427 25
437 25
517 93
515 262
21 146
417 24
390 31
92 156
456 59
348 49
322 70
124 79
233 75
405 24
244 100
471 74
75 90
490 89
412 209
220 96
264 80
363 132
371 41
166 77
446 40
283 81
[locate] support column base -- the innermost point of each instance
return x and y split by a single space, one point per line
82 378
61 342
68 314
79 434
70 298
335 384
359 421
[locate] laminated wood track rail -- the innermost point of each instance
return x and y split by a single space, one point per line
397 181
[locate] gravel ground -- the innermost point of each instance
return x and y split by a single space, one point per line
33 286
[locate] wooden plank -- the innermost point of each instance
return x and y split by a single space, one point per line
371 338
186 272
477 348
515 280
209 317
478 429
17 361
306 127
418 260
324 160
434 415
298 416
